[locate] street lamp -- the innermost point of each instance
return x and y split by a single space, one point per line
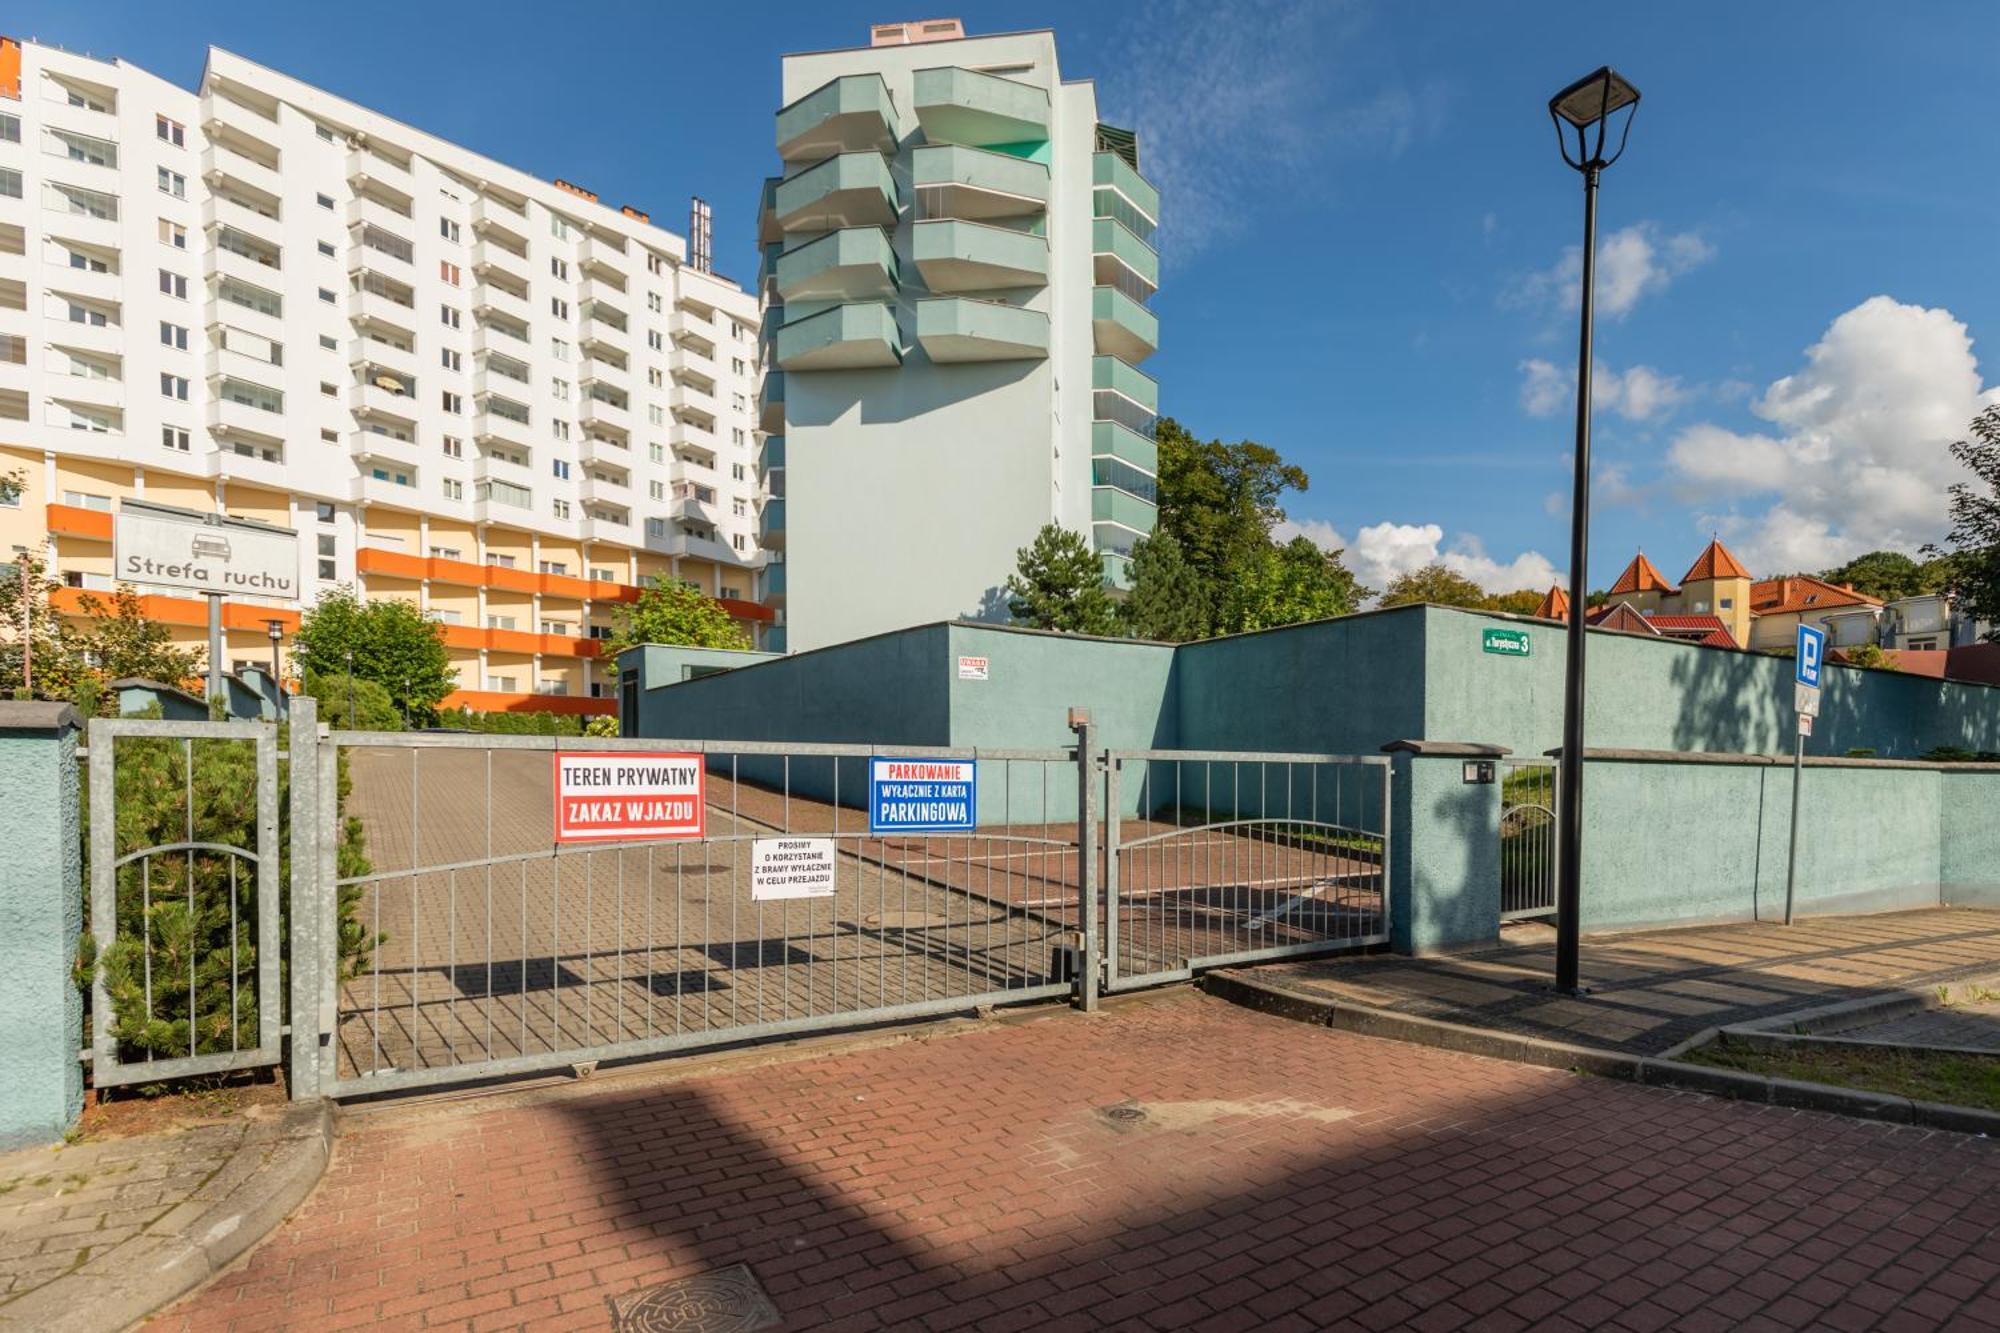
276 629
1584 109
350 688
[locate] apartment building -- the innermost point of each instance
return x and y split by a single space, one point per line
495 396
957 263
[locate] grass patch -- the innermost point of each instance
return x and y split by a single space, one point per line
1924 1076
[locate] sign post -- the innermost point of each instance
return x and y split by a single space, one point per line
1810 656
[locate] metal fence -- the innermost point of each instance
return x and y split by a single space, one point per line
1219 857
1527 838
477 946
184 856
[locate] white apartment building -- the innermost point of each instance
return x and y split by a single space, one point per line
957 263
491 395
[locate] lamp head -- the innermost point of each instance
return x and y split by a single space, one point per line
1586 109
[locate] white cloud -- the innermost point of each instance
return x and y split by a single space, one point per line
1856 455
1381 552
1641 393
1632 262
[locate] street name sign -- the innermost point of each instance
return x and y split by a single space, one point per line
629 796
1507 642
922 795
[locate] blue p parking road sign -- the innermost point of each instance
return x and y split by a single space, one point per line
922 795
1811 654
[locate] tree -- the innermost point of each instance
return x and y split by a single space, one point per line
1883 574
387 641
1522 602
1868 655
350 703
58 667
1973 550
1436 585
676 612
1168 601
1220 501
1058 583
121 641
1284 585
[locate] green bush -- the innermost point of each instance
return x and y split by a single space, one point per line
512 724
372 708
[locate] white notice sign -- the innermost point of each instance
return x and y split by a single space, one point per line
1805 724
972 668
1805 700
177 548
791 868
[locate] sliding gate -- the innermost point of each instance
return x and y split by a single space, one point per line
1219 857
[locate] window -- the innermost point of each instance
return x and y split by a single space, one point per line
736 364
739 402
327 390
172 131
329 342
10 128
174 234
655 264
739 507
561 508
448 229
87 500
323 132
326 295
174 336
558 307
454 404
655 378
323 200
561 468
561 390
454 447
449 316
736 435
1726 603
174 386
452 360
656 453
449 272
559 349
323 511
173 183
326 248
656 490
173 437
736 540
174 285
656 414
327 436
732 594
559 268
328 571
653 302
654 340
453 490
559 226
561 429
328 544
736 471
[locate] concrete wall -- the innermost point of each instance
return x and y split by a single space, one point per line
1331 687
1688 838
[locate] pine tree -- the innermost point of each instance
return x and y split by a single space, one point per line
1058 583
1168 601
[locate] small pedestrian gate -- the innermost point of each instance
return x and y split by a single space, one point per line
438 932
1527 838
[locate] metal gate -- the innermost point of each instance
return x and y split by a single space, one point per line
1527 838
475 946
184 910
1219 857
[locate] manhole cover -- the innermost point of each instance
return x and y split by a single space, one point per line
1124 1114
904 920
726 1301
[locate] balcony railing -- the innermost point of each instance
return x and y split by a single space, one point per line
968 107
958 328
853 113
958 256
1123 328
845 337
953 181
850 190
852 264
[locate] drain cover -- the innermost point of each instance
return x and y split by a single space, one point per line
725 1301
904 920
1126 1114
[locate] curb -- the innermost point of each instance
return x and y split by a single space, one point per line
270 1175
1658 1071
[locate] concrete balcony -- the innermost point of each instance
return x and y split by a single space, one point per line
367 170
853 264
492 467
771 402
604 262
771 456
104 288
1108 171
241 421
497 339
370 490
87 391
491 257
845 337
964 106
851 190
850 114
489 378
601 415
692 508
491 297
955 256
1108 504
375 352
221 163
379 398
375 446
491 217
960 182
255 469
957 328
364 211
609 297
773 584
221 210
492 428
604 490
375 309
1123 395
771 526
1121 260
220 263
606 528
1109 439
604 449
596 370
1122 327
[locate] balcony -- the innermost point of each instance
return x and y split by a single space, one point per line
605 449
368 444
598 414
595 489
374 351
489 257
774 584
221 163
493 428
606 527
221 210
1123 261
957 328
851 190
1123 328
963 106
370 170
689 507
498 339
489 297
1108 504
597 294
365 211
1109 439
1109 171
379 311
771 458
845 337
494 467
382 395
1124 395
771 526
771 402
220 263
502 375
227 416
601 328
851 114
598 258
956 256
958 182
853 264
490 217
596 370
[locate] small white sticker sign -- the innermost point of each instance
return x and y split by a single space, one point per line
791 868
1805 724
972 668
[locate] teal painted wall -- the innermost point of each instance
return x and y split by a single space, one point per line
1969 865
41 916
1444 847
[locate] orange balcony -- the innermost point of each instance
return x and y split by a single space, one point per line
496 701
515 641
513 580
747 610
566 645
394 564
566 585
461 573
70 521
613 592
181 610
463 636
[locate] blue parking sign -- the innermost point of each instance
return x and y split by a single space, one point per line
922 795
1811 654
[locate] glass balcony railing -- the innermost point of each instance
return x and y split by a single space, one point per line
771 458
1123 327
953 181
1109 373
1109 439
1109 171
1123 261
1122 475
967 107
854 113
771 525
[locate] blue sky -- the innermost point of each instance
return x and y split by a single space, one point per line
1369 241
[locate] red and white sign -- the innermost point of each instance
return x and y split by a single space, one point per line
629 795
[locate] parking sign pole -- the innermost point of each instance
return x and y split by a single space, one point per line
1808 660
1792 857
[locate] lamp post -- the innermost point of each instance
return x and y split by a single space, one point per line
350 689
1584 109
276 629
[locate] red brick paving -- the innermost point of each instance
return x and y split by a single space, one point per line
1286 1177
